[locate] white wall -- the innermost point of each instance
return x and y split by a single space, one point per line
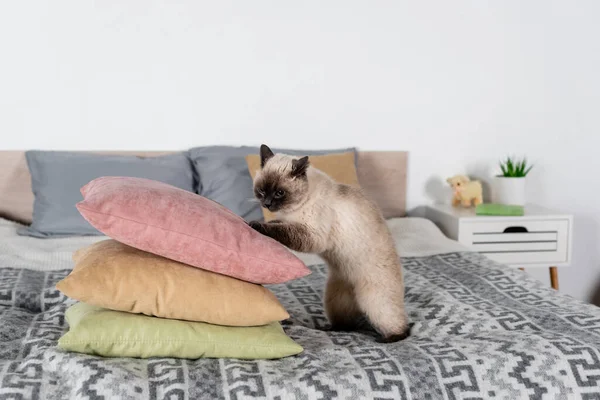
458 84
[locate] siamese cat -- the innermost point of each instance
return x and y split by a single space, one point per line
317 215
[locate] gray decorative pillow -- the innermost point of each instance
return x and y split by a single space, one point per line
57 177
224 176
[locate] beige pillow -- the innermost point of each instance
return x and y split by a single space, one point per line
340 167
112 275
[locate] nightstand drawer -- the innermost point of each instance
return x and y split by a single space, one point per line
518 242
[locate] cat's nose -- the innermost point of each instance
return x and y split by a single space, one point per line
268 202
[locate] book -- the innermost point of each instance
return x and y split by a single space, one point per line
499 209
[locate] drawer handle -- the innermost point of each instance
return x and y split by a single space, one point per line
516 229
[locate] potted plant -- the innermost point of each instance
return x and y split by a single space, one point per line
509 187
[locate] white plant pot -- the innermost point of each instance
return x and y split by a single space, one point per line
510 191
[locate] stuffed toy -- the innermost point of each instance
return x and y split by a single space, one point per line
466 191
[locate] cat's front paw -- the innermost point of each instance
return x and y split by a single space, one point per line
258 226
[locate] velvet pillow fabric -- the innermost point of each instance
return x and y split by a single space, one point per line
112 275
94 330
57 176
182 226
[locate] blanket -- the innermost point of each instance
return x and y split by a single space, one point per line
480 330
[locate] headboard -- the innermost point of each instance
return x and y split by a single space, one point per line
382 174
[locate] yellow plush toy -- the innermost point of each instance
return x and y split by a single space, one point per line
466 191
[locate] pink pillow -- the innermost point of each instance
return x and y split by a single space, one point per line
185 227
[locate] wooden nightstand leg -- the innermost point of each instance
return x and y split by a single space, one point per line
554 277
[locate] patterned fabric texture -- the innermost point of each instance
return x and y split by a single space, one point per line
480 331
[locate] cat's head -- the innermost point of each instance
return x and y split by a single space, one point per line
281 183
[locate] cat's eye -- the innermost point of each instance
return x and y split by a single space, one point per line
279 193
260 192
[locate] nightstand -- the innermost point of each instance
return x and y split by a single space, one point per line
540 238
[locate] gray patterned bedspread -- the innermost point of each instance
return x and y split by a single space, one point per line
480 331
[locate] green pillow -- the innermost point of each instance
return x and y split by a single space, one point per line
95 330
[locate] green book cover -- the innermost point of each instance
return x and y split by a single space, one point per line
499 209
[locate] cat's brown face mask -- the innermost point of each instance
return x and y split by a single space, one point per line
280 189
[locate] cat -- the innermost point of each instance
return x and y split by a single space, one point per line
317 215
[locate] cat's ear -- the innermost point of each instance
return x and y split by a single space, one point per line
299 166
265 154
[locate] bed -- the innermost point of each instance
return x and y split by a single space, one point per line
480 330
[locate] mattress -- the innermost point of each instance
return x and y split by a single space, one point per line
480 330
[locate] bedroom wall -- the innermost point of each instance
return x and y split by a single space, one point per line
458 84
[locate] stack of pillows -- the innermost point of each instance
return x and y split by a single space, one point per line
180 277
